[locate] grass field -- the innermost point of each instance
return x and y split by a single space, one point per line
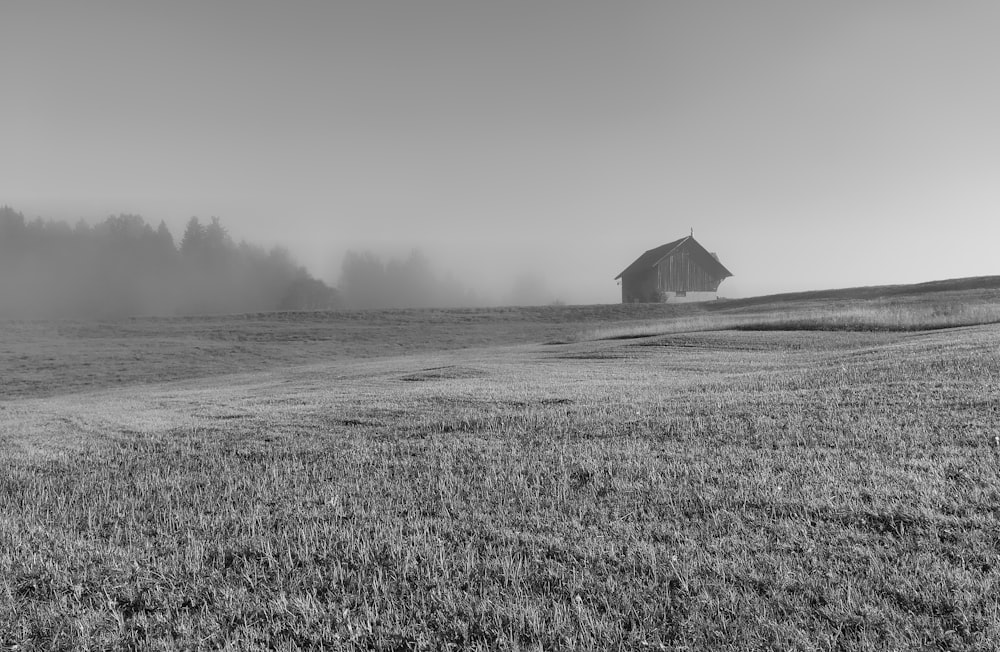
753 474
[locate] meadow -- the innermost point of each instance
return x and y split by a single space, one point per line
805 472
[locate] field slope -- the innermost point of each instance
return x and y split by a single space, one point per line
506 479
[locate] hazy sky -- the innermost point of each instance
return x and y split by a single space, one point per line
810 144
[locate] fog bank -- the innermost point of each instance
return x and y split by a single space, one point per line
122 267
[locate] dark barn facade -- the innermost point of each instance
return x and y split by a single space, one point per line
681 270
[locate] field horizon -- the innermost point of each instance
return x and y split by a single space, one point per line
815 471
47 357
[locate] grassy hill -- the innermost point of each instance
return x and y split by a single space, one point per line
744 475
49 358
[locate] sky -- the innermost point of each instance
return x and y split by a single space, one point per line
811 145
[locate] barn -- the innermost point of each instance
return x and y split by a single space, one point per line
681 270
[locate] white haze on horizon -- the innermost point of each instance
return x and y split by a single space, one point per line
810 146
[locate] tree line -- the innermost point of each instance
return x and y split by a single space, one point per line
122 266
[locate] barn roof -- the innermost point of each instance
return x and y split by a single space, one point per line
652 258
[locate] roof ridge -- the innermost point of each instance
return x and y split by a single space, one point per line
652 257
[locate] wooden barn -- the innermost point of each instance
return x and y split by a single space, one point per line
681 270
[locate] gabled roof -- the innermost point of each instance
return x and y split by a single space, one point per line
653 257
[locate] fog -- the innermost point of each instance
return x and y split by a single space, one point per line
121 266
527 151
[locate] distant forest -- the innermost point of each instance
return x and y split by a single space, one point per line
367 282
123 266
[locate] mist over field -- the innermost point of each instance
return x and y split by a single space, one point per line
366 281
122 267
812 146
384 390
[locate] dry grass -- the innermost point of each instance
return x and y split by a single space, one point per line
52 358
812 490
899 314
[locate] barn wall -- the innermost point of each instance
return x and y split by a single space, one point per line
640 287
681 272
690 297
